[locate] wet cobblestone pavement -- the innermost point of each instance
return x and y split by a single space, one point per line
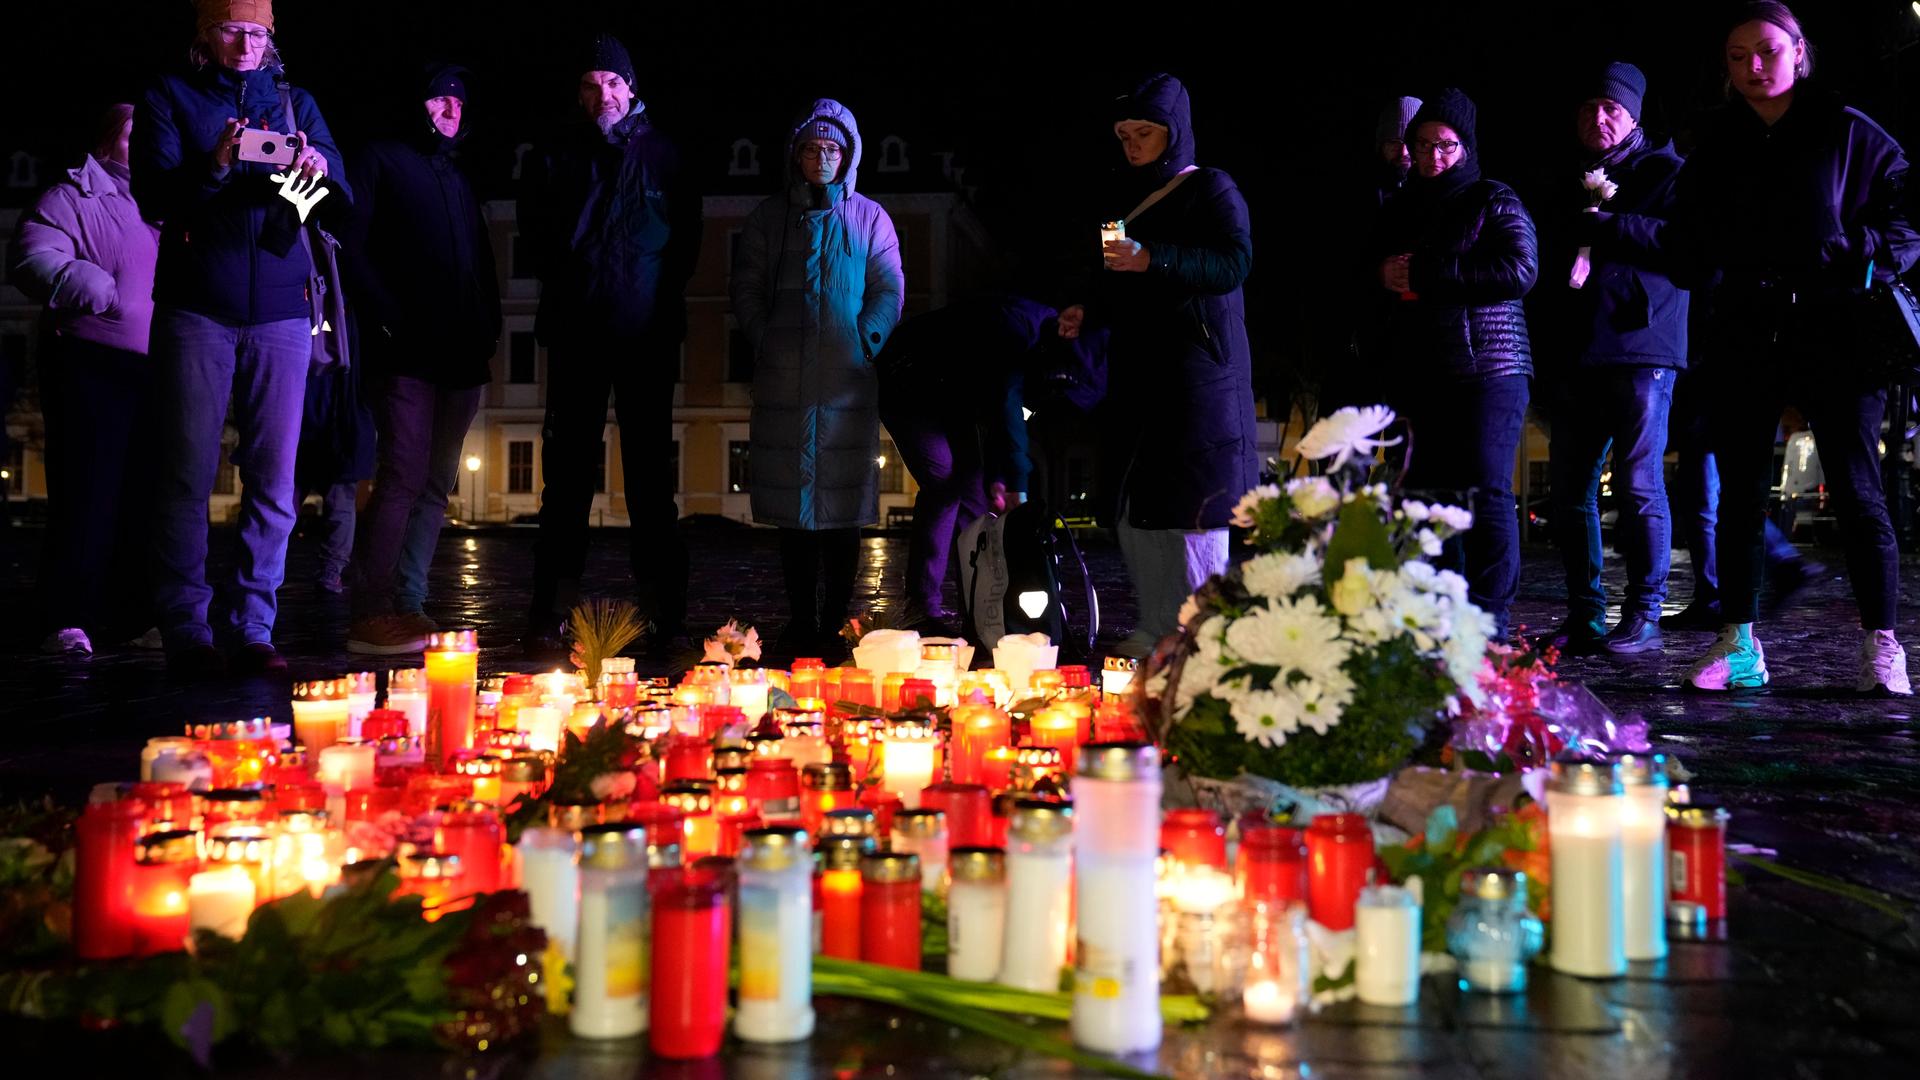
1809 984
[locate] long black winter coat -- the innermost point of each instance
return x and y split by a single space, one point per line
1630 312
1180 370
229 245
1474 258
615 231
421 270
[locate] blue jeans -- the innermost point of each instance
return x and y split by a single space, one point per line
338 509
1622 410
1468 435
200 364
421 428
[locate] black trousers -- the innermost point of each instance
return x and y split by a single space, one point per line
97 402
819 567
580 376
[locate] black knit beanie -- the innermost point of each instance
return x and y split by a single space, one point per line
1450 107
1623 83
605 53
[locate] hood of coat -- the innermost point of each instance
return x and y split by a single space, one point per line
95 177
436 79
839 119
1161 100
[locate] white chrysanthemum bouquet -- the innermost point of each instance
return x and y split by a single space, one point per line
1324 658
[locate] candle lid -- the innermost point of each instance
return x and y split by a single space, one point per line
1698 815
1581 775
827 776
617 665
694 797
232 841
851 821
889 867
911 727
732 757
360 682
453 641
235 795
573 816
729 781
430 865
467 808
1341 826
524 769
321 690
1120 663
842 852
773 848
258 728
303 821
1120 761
809 663
985 864
470 764
1640 768
919 823
1493 883
402 680
173 846
613 846
1038 819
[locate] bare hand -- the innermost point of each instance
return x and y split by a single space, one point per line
1393 273
1129 256
309 165
228 143
1070 320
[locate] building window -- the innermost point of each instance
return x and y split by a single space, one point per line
893 474
745 160
673 465
739 354
520 257
521 353
739 478
600 470
893 154
520 467
16 468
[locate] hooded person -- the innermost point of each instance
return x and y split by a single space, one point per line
427 304
1180 382
1457 254
817 286
1390 147
233 321
612 226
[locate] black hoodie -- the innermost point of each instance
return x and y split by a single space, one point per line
420 267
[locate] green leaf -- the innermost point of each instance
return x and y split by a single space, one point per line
184 998
1360 534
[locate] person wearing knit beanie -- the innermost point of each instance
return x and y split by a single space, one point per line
606 53
211 13
1390 131
1621 83
1451 107
606 82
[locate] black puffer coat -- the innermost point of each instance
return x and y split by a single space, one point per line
1474 258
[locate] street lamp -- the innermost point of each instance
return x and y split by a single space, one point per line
473 483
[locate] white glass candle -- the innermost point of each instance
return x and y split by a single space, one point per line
610 948
1584 833
162 747
220 900
1116 983
1112 230
1020 655
1197 894
1116 675
407 693
361 694
908 761
320 713
551 880
924 833
1386 962
776 937
748 690
347 765
1279 969
1039 882
976 913
542 725
1643 836
192 768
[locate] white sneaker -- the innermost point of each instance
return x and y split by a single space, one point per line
73 642
1736 662
1883 664
149 640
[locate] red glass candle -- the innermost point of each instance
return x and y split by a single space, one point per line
425 793
1194 836
840 889
773 788
1075 676
163 866
1339 853
883 803
622 690
687 759
716 720
169 805
233 804
240 753
856 687
977 731
808 677
369 804
1272 864
998 768
478 839
105 836
688 1007
824 788
918 694
299 796
452 659
890 909
1058 728
385 724
969 810
694 800
1697 856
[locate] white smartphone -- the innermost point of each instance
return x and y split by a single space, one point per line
267 147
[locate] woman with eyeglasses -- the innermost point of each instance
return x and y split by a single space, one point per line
817 287
232 320
1796 202
1459 253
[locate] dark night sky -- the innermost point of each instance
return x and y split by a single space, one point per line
1018 91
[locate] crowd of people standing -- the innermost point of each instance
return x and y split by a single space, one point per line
179 276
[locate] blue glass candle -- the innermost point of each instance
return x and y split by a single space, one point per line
1491 932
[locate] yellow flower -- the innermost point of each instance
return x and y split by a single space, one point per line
1351 594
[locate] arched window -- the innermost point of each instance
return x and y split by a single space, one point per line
745 159
893 154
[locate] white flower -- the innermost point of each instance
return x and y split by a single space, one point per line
1415 510
1456 518
1322 702
1278 575
1597 184
1297 635
1429 543
1347 433
1243 512
1267 717
1313 497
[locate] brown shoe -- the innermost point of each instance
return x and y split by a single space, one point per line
420 623
386 635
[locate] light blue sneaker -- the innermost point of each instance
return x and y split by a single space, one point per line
1736 662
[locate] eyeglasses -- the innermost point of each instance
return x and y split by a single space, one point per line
256 37
1427 146
824 153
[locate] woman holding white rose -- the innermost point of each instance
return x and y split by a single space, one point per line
1459 252
1797 202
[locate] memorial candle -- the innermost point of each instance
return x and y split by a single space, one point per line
1697 841
909 749
453 659
164 866
307 853
246 845
1057 727
610 967
976 913
1643 832
542 724
320 713
362 692
823 788
694 799
803 737
1116 996
407 693
241 752
808 677
890 909
1340 853
1020 655
776 938
1116 676
977 731
522 775
220 900
840 889
517 692
483 772
1194 836
856 687
968 809
550 876
347 765
691 945
162 746
438 878
923 832
1584 839
1039 863
997 770
170 806
103 916
474 834
748 690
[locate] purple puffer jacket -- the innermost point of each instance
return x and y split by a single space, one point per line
83 251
